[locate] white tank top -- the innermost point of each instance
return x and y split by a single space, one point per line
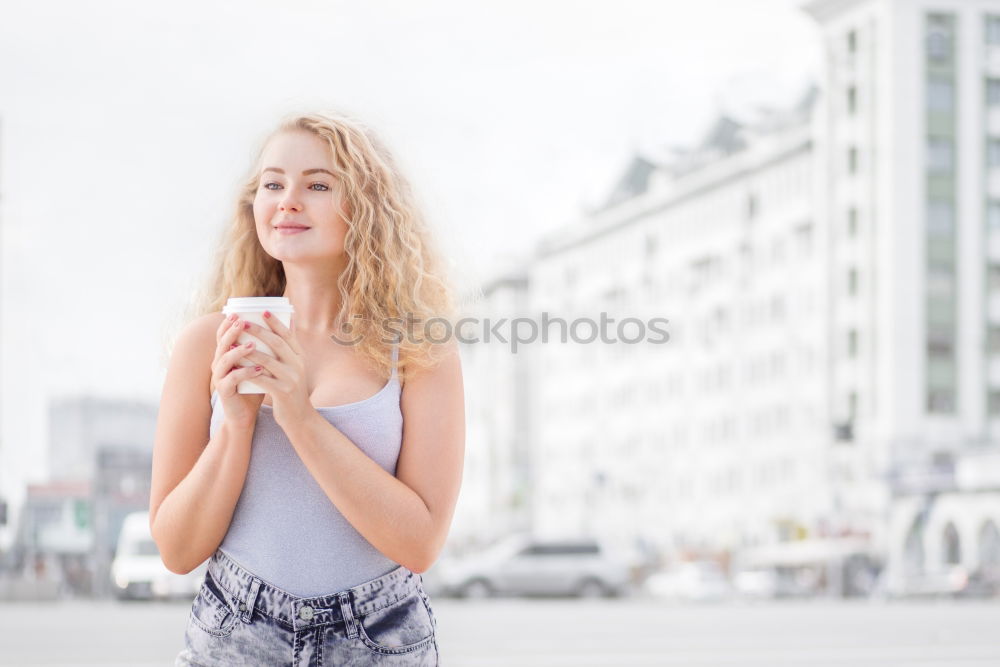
285 529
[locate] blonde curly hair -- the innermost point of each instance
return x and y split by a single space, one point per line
394 270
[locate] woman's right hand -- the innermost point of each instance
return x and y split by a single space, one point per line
227 374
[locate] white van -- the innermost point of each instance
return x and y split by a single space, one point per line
137 570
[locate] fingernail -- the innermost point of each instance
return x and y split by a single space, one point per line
257 368
267 313
246 325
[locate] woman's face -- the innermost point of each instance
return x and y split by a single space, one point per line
297 186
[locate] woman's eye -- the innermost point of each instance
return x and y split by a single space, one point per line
322 185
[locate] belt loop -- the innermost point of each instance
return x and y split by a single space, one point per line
248 607
348 613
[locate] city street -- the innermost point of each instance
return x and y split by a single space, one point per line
509 632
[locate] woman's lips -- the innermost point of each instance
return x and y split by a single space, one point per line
291 230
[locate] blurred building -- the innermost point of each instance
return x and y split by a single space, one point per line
100 471
832 378
54 541
723 436
80 426
911 138
496 490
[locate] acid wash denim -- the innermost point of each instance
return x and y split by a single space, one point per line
239 620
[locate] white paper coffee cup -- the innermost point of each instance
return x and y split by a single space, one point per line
251 309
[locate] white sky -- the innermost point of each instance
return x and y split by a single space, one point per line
124 128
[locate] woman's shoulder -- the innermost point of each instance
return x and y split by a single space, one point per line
203 330
198 338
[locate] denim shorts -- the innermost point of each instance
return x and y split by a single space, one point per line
239 619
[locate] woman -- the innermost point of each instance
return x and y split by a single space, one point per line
319 502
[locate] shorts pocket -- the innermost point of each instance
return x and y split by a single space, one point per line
212 611
405 626
430 608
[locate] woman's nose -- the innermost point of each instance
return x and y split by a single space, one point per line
289 203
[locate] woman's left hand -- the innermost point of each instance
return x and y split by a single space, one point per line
284 377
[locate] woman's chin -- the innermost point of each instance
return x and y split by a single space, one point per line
283 253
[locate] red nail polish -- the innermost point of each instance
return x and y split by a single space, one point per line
246 325
267 314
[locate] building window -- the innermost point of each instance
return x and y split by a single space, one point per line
852 100
852 282
993 215
993 152
952 545
852 344
939 154
939 38
852 160
940 312
751 206
993 92
989 544
941 401
852 222
940 344
940 94
993 272
852 406
993 403
993 30
941 253
993 340
941 372
852 42
940 283
940 218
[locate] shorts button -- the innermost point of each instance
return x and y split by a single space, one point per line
243 606
306 613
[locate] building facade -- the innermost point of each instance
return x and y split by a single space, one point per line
831 277
911 137
719 438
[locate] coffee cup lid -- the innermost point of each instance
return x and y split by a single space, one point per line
238 304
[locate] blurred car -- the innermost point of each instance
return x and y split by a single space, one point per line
756 584
138 572
950 581
953 581
983 582
765 583
523 565
693 581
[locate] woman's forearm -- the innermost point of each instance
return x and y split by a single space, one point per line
193 519
387 512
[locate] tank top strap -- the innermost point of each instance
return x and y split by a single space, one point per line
395 358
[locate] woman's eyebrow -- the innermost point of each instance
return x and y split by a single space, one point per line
304 173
